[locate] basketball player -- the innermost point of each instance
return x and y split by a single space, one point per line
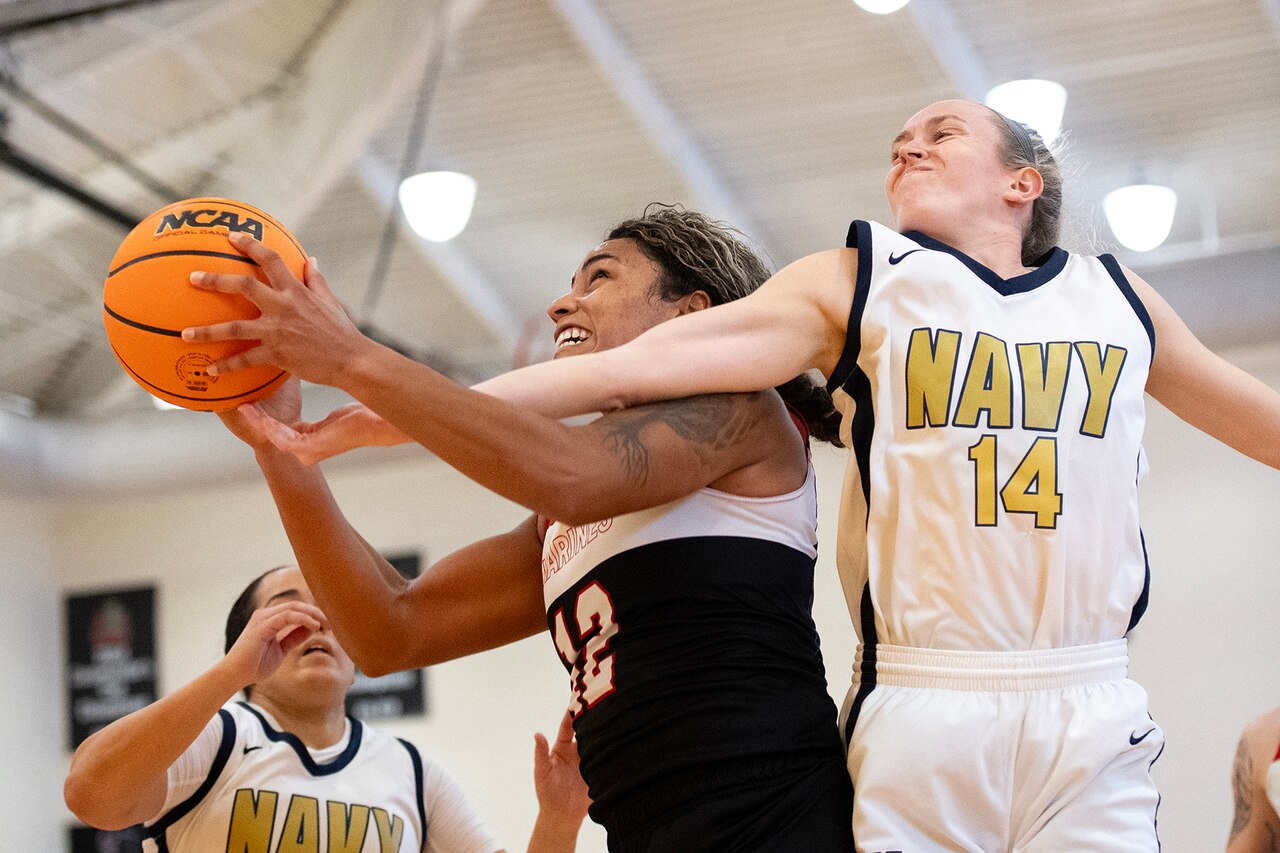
672 559
1255 786
205 773
992 387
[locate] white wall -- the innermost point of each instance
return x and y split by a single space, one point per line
31 709
1208 647
1205 651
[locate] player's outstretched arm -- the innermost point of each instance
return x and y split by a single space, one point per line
119 775
562 794
795 322
1207 391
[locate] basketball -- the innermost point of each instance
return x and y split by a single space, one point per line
148 300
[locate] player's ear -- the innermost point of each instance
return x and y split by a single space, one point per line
695 301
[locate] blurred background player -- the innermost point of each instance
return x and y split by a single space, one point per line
207 773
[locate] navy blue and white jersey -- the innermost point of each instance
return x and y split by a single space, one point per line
693 659
991 498
244 785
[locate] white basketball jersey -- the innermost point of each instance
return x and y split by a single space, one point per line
995 429
265 792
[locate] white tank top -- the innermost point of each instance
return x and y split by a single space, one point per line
995 426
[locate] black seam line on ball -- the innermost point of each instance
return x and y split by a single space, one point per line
178 252
143 326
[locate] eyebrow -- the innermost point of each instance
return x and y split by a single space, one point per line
933 122
591 259
284 593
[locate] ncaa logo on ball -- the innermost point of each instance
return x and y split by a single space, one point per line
193 370
208 219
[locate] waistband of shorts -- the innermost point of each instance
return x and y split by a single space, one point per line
1041 669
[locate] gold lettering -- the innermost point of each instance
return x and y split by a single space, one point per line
347 827
988 386
253 817
931 368
390 830
1044 383
301 832
1103 375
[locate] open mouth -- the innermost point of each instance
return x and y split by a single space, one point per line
316 647
571 336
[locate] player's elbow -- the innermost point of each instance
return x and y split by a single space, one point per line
93 804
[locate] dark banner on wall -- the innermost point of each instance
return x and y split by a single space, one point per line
400 694
111 657
86 839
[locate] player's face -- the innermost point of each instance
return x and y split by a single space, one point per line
945 168
319 667
612 299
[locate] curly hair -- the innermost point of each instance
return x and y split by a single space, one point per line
694 252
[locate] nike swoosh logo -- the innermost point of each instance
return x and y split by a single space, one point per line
1134 741
249 749
898 258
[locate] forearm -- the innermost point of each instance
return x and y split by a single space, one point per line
522 455
123 763
359 593
553 833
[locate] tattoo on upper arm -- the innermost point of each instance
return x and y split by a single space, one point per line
709 423
1242 787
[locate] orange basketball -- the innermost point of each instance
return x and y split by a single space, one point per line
148 300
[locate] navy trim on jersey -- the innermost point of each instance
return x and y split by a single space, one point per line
867 671
847 374
1140 606
353 745
1122 281
419 785
1048 265
156 830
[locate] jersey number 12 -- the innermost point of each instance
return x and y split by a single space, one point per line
589 660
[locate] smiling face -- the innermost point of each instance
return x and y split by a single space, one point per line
613 297
946 170
315 672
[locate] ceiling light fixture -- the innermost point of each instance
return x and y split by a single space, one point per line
438 204
881 7
1039 104
1140 215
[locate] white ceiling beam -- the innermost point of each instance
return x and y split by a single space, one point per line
368 62
938 26
633 86
475 290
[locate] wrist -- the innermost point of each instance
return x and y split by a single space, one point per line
361 366
224 680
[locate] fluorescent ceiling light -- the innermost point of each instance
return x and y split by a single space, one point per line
438 204
1039 104
881 7
1140 215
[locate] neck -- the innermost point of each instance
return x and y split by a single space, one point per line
998 247
317 727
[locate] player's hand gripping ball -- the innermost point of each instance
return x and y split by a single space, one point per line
148 300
